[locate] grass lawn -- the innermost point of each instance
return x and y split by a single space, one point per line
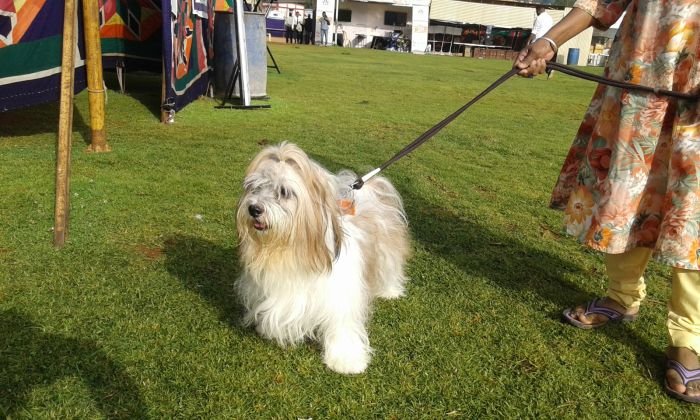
135 316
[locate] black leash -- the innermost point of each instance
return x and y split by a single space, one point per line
359 182
432 131
623 85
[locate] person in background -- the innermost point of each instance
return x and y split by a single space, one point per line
289 28
630 185
308 30
542 24
325 24
298 28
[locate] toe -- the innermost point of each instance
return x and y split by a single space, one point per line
579 313
674 381
693 389
688 359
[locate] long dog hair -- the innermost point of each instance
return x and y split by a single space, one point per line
310 266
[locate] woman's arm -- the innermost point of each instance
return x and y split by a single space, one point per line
532 60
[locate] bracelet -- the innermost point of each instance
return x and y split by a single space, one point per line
552 44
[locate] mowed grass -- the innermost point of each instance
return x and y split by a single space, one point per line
135 317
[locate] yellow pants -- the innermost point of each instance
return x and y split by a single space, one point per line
626 286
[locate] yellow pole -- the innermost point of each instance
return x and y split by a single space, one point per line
96 90
65 125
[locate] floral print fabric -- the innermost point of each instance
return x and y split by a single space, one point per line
632 176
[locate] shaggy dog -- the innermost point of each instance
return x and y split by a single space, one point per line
312 262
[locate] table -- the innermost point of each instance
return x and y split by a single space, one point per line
462 46
360 40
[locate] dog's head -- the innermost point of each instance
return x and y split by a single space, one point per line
288 209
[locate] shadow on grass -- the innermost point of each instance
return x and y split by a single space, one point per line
31 358
40 119
512 264
143 86
508 263
208 269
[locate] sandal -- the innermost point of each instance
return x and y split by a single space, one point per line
687 376
593 308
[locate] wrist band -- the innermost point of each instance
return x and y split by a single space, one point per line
552 44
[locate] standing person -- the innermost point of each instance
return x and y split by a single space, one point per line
298 27
542 24
325 24
630 185
308 30
289 28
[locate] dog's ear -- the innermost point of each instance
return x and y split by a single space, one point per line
318 215
327 214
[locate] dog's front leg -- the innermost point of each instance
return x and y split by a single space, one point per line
346 346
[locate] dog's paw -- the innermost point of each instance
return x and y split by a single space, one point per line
262 332
346 362
393 291
346 352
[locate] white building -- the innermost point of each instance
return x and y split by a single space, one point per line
356 23
362 23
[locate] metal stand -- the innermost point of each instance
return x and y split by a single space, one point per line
239 73
230 87
275 66
274 62
120 76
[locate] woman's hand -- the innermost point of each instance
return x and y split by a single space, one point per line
532 60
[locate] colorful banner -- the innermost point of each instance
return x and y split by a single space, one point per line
131 34
223 6
30 53
187 49
170 35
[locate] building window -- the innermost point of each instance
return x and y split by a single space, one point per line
395 18
344 15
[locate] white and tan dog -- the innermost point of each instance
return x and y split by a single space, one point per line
312 264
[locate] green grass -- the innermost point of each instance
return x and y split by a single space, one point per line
135 316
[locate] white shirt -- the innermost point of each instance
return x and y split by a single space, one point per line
289 21
543 23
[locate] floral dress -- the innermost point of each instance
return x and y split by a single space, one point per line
632 176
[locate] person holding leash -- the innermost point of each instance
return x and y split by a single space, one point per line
630 185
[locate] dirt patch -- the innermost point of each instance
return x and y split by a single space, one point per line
150 253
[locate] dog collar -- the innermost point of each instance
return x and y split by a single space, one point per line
347 206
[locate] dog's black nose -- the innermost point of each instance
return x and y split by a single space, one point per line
255 210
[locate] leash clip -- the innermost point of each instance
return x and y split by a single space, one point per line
357 184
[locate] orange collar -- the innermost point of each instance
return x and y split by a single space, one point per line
347 206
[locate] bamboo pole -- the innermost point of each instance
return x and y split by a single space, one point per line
65 125
96 89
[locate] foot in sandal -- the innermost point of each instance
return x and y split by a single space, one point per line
683 375
597 313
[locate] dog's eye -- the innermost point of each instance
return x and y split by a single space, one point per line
284 193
